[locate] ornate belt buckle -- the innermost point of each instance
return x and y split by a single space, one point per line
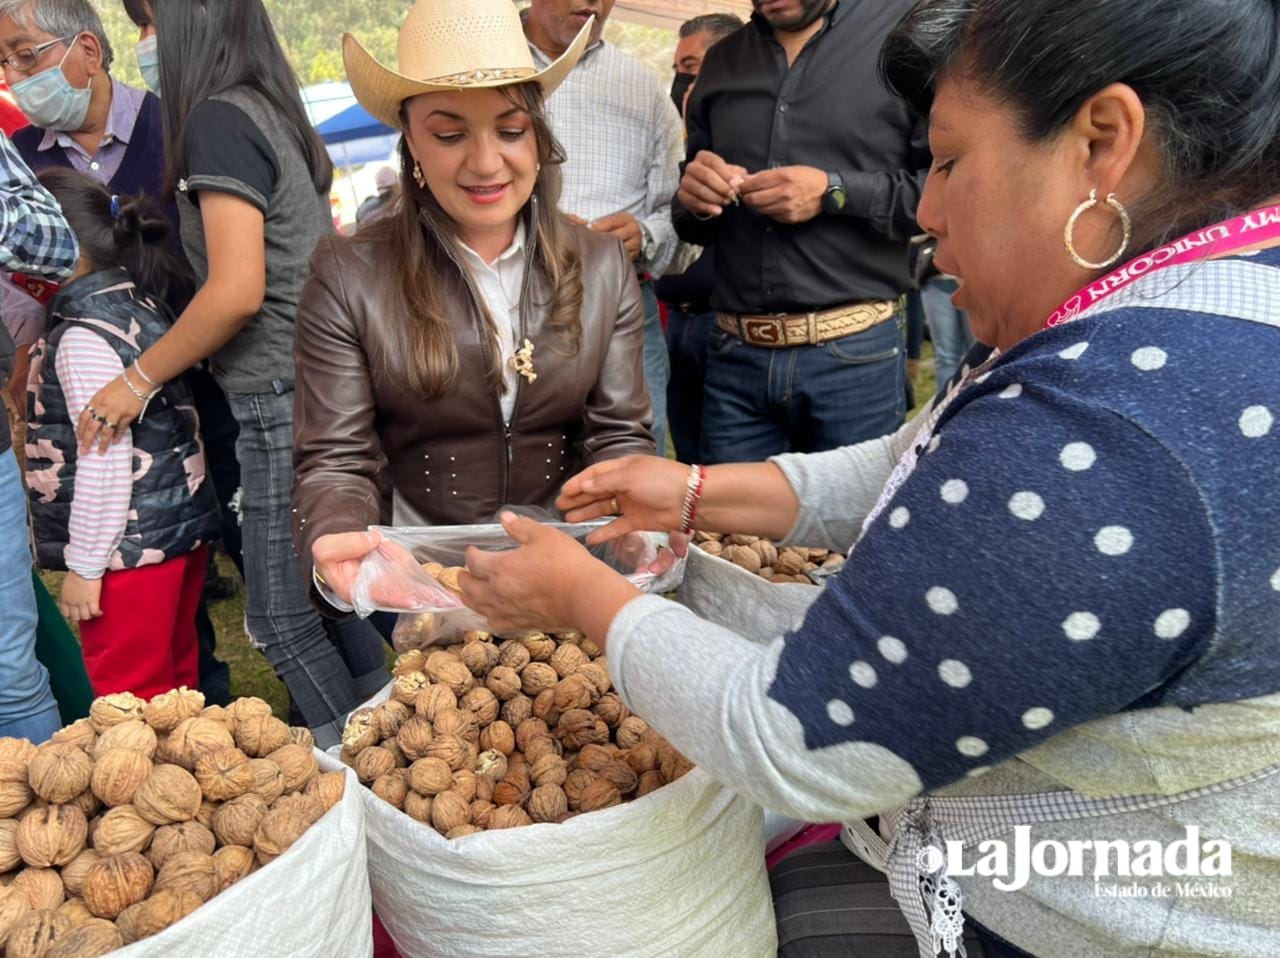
765 331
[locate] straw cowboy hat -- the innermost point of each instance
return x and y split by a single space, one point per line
453 45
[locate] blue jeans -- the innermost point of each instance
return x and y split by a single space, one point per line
948 328
27 708
760 402
657 368
688 339
279 616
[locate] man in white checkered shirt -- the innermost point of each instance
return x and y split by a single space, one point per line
624 143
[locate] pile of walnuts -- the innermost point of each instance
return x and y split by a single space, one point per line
482 735
129 820
769 561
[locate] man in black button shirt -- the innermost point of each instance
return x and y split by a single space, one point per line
803 175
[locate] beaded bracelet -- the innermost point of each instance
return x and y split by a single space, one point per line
692 497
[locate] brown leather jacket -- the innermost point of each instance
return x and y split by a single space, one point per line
359 435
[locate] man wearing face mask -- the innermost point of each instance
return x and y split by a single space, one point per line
687 291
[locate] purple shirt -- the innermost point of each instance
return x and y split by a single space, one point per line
126 102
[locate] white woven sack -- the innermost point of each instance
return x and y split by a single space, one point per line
311 902
728 595
678 873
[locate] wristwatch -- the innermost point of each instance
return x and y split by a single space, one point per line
834 199
648 245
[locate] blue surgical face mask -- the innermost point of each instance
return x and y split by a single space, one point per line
50 101
149 63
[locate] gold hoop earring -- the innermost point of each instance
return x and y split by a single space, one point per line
1068 233
418 176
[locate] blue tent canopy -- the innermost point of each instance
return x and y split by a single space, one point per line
353 123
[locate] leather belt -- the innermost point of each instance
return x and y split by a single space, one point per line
780 330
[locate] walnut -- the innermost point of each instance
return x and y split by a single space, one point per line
205 815
462 831
165 711
548 804
738 539
362 730
448 577
407 685
540 646
36 932
434 701
298 765
575 786
536 677
514 789
643 758
498 737
530 729
516 709
79 733
509 816
243 708
170 794
374 762
620 775
414 737
302 736
503 682
611 710
42 887
195 737
492 765
788 563
593 651
575 692
593 757
232 862
88 938
450 748
478 657
465 784
268 780
549 770
236 821
52 836
118 774
87 802
328 787
578 727
544 707
9 854
183 837
74 871
672 764
13 905
445 670
389 716
115 883
279 829
189 871
418 807
430 776
597 671
76 910
259 735
122 830
391 788
411 661
449 810
224 774
150 917
59 772
599 794
216 713
134 734
513 655
459 722
630 731
482 704
109 710
567 658
541 746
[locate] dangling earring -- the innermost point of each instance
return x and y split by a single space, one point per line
418 176
537 169
1068 233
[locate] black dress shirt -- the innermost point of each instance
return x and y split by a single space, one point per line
828 110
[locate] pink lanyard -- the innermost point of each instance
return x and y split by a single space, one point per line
1217 240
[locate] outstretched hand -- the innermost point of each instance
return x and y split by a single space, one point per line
644 492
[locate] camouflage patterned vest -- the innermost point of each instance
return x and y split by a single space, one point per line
173 509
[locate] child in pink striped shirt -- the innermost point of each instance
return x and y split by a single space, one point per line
129 522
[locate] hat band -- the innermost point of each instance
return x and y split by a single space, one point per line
473 77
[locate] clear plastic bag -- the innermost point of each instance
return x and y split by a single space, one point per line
414 572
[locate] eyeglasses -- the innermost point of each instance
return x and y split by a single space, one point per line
24 60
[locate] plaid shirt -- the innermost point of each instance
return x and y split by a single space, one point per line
624 142
34 238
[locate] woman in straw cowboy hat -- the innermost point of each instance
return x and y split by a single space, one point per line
474 348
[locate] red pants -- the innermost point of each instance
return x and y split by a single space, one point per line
145 640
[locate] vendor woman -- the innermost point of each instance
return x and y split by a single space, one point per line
1061 613
474 348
